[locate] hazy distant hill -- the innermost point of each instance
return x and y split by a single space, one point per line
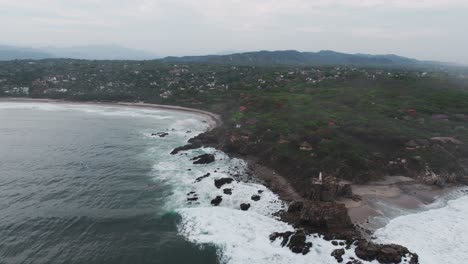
292 57
286 57
101 52
90 52
17 53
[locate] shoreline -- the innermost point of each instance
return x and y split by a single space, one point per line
215 118
381 199
276 183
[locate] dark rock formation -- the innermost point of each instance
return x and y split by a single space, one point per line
325 215
192 197
227 191
295 206
204 159
284 236
160 134
185 148
202 177
220 182
209 138
329 189
216 201
383 253
354 261
255 197
244 206
294 241
338 254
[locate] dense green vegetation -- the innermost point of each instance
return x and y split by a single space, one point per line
351 122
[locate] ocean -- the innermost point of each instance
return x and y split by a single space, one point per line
82 183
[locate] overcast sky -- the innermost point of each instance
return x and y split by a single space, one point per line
423 29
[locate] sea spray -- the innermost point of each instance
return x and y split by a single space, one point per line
437 235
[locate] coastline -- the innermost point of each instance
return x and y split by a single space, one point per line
382 201
216 120
391 191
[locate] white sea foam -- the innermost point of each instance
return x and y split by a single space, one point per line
437 235
192 120
239 236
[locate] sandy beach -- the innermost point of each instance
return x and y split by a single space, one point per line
388 198
215 120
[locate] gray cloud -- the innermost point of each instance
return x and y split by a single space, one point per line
425 29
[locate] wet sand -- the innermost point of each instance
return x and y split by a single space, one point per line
401 194
215 120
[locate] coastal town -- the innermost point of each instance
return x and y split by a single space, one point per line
74 78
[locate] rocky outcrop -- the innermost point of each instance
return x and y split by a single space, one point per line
185 148
295 241
216 201
323 217
383 253
227 191
192 197
199 179
160 134
244 206
204 159
338 254
255 198
329 189
220 182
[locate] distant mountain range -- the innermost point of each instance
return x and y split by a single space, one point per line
89 52
293 57
17 53
285 57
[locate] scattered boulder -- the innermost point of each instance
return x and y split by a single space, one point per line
354 261
220 182
192 196
227 191
185 148
338 254
296 242
160 134
284 236
244 206
204 159
383 253
202 177
216 201
255 197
